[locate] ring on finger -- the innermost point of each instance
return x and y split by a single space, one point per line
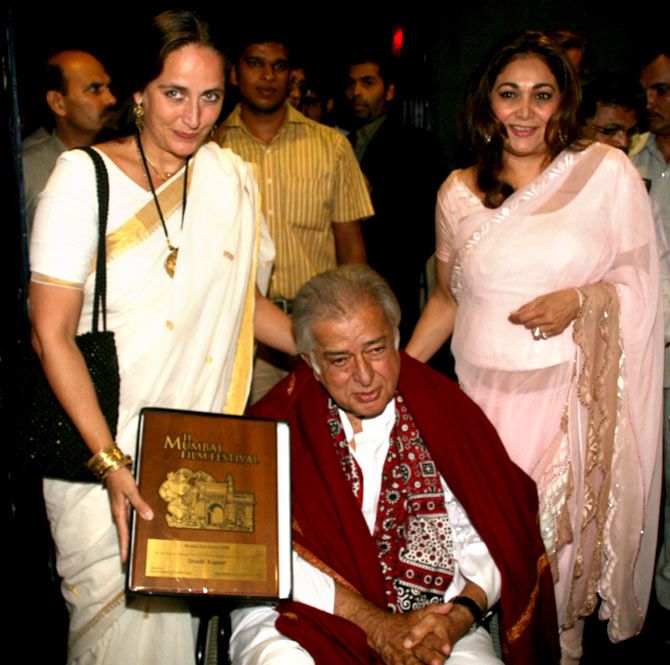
544 334
536 333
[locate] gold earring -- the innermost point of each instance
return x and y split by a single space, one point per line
138 115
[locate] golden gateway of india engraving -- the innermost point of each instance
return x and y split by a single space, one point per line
196 500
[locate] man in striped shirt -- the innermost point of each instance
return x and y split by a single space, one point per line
312 190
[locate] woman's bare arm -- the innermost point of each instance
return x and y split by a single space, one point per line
272 326
54 312
437 319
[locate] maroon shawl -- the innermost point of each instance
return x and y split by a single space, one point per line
329 530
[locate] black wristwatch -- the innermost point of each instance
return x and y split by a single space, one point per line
471 605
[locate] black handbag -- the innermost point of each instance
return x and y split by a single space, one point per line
48 440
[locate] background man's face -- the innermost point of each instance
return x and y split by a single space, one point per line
312 106
612 124
262 75
358 361
296 83
88 101
655 79
366 93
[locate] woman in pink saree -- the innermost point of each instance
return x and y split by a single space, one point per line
548 278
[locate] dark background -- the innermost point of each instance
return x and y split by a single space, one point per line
441 48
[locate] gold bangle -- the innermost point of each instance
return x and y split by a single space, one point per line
108 460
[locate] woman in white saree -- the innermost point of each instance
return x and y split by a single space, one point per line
548 277
184 243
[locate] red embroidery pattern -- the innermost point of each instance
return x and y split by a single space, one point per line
412 530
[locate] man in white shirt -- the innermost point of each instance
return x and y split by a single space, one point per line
651 156
401 497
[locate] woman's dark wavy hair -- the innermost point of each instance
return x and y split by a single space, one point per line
485 134
168 31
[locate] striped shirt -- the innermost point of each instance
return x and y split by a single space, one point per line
309 179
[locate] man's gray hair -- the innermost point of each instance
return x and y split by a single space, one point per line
336 294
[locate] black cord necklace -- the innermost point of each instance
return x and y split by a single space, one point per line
171 260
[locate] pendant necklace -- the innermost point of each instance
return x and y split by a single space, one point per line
170 264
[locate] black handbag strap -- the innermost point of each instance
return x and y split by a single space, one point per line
100 293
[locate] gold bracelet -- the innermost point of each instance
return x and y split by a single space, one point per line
108 460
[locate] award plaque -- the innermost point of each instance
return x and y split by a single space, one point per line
219 487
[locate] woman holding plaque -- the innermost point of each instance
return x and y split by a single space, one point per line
548 277
184 244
